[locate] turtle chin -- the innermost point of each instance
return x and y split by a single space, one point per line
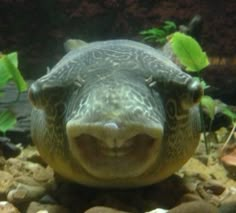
108 161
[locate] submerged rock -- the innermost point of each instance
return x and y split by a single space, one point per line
8 148
99 209
6 207
35 207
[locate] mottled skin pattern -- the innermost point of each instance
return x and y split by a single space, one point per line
115 114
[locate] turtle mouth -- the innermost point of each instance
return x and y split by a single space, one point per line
90 143
117 159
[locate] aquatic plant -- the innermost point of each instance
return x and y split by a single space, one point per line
160 34
188 52
9 72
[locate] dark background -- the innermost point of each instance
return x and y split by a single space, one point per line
36 29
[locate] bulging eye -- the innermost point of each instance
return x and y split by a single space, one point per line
192 95
42 95
196 91
34 94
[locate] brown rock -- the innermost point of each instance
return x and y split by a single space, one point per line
24 193
19 168
214 187
190 197
6 207
229 204
43 174
30 153
229 162
35 207
100 209
207 195
6 181
193 207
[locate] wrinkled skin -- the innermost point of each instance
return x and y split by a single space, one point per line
115 114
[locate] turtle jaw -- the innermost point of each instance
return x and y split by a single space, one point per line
120 154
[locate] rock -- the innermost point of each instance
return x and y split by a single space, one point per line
25 181
213 170
193 207
18 168
25 193
30 153
43 175
2 161
6 207
35 207
229 162
8 149
158 211
189 197
19 134
195 168
6 181
228 205
100 209
207 195
214 187
47 199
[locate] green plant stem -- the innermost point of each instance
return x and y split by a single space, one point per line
203 128
202 121
230 136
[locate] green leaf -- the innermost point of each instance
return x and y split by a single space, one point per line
161 40
13 58
229 113
7 120
209 105
151 37
8 63
203 83
189 52
169 26
158 32
153 32
5 75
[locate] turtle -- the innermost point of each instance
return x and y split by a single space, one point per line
115 113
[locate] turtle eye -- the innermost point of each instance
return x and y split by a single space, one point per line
192 95
196 91
41 95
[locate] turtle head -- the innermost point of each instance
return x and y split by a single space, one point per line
115 113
